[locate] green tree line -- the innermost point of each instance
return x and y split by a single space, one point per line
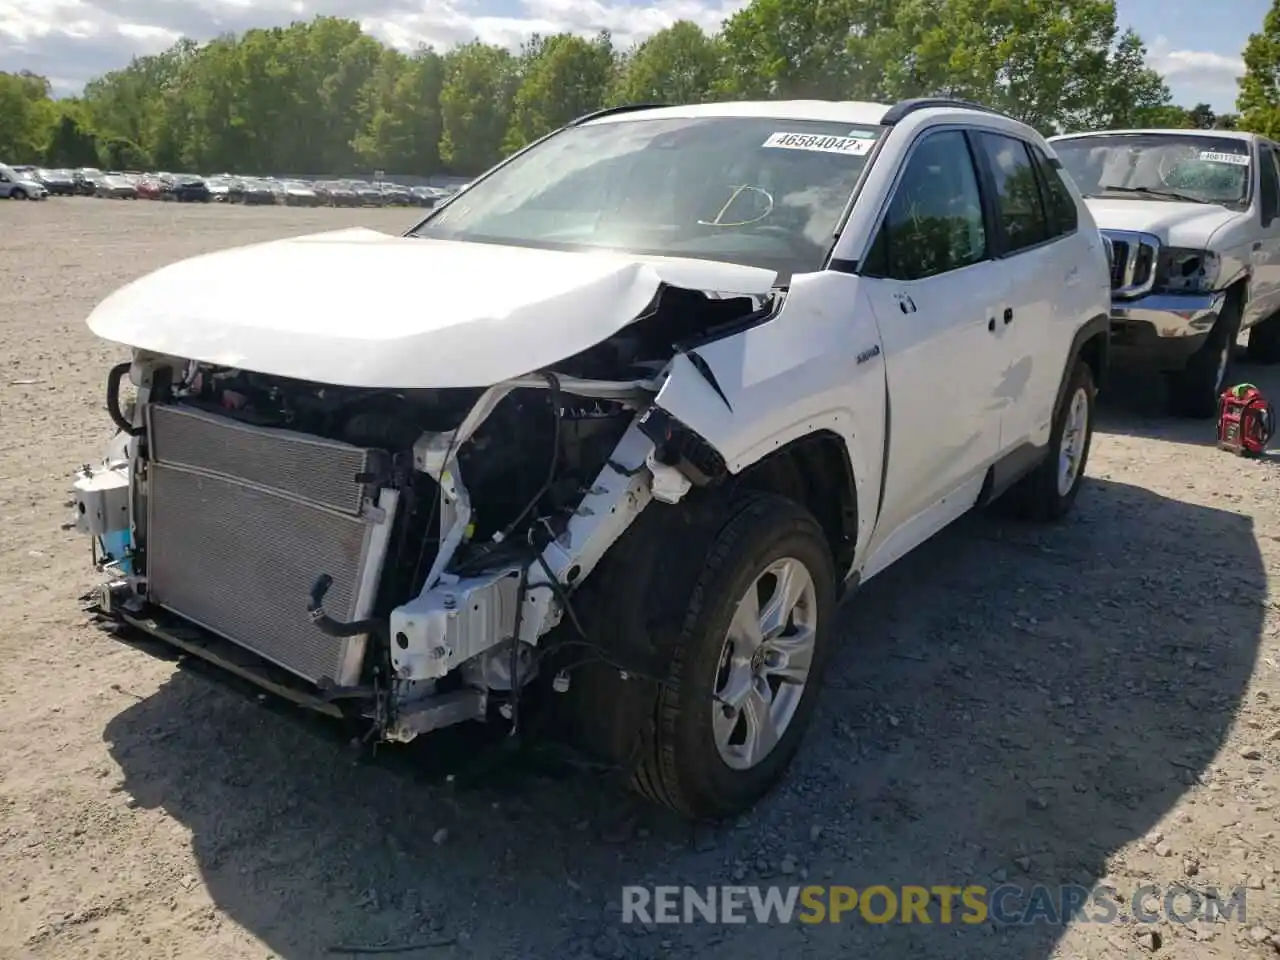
324 96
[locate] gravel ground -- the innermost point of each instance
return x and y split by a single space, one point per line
1011 704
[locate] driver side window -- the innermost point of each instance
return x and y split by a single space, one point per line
934 223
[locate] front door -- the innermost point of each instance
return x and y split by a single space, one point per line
937 296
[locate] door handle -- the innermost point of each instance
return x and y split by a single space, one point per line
1008 315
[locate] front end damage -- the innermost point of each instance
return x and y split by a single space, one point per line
397 556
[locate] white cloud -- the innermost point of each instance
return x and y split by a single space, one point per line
71 41
1197 76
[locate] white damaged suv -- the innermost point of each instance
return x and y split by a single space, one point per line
616 426
1193 217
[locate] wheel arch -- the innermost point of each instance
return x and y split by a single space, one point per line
815 471
809 464
1092 344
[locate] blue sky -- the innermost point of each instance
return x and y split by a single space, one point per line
1196 44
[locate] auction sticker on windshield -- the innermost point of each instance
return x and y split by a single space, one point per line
855 146
1239 159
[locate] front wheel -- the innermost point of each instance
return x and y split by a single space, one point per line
744 674
1194 390
18 195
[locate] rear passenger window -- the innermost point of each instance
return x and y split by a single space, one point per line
1019 206
1063 216
934 221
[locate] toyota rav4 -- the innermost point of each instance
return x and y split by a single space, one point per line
621 423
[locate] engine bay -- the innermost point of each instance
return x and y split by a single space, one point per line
469 499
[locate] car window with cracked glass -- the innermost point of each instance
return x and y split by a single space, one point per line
757 191
1174 166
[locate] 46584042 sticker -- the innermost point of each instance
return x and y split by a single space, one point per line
1239 159
820 143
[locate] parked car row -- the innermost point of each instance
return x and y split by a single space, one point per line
25 182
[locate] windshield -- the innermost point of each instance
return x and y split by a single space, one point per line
1197 167
757 191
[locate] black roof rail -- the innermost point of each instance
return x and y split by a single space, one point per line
610 111
899 110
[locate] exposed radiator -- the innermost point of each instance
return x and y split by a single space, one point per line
241 520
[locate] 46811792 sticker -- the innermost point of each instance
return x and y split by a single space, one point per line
1239 159
820 143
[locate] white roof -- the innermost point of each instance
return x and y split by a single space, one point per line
840 111
1165 131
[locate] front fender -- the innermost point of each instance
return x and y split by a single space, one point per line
816 365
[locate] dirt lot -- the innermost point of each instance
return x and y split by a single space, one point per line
1011 704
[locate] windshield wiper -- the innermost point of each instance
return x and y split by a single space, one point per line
1151 192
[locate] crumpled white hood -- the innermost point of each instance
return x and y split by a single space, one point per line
365 309
1177 224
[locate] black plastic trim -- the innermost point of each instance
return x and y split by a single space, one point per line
904 108
611 111
116 374
234 660
1011 468
884 456
1100 324
829 261
676 445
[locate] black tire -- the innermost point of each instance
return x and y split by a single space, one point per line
1039 496
1194 390
18 194
1264 341
678 617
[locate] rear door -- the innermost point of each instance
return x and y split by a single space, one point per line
1034 240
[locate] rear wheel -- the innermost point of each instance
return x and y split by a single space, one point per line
1049 491
1194 390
